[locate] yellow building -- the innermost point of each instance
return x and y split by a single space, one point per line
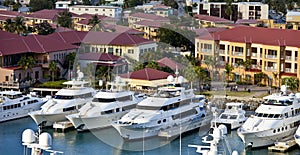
270 51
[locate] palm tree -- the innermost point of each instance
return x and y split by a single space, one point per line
64 19
228 71
240 64
53 68
9 25
210 62
27 63
20 25
275 75
94 21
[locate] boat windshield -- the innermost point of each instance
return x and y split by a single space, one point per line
226 116
280 102
106 100
168 94
267 115
63 97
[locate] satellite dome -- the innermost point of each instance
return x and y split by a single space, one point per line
45 140
28 136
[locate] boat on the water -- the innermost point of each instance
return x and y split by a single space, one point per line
13 104
172 108
106 107
65 102
233 116
274 120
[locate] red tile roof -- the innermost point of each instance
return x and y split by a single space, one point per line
267 36
147 74
212 19
70 37
112 38
44 14
99 57
170 63
7 35
3 18
147 16
32 43
149 23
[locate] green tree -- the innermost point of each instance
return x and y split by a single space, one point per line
171 3
228 71
139 66
20 25
153 64
70 61
291 82
96 22
36 5
27 63
228 10
43 28
86 2
64 19
9 25
275 75
53 69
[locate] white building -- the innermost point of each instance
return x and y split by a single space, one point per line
253 10
62 4
109 11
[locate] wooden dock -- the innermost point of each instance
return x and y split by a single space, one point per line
282 146
62 126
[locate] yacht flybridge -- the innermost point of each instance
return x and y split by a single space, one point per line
233 116
276 119
172 107
14 105
66 101
106 107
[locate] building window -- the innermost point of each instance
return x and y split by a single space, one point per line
110 50
86 9
6 78
60 5
36 75
130 51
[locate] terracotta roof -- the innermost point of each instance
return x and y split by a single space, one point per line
112 38
3 18
99 57
32 43
212 19
267 36
147 16
147 74
44 14
7 35
170 63
70 37
149 23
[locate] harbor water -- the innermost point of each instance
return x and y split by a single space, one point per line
108 142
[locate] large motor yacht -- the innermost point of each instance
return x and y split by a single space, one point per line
14 105
65 102
233 116
172 108
275 119
106 107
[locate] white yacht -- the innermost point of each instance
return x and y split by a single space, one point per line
106 107
297 136
233 116
170 108
275 119
65 102
14 105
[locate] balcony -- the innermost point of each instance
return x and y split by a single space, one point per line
237 53
288 58
290 70
272 69
221 51
205 50
271 56
254 54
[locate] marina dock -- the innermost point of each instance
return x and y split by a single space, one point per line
283 146
62 126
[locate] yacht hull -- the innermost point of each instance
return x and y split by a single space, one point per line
95 122
263 138
47 120
131 133
297 136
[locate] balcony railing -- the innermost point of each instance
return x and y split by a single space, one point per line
271 56
237 53
290 70
254 54
206 50
270 68
221 51
288 57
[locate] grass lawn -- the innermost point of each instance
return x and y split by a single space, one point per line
54 84
229 93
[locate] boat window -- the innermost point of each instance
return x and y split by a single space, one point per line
233 117
69 109
265 115
118 109
87 95
129 107
164 120
274 131
278 130
168 94
104 100
107 112
63 97
259 115
184 114
224 116
159 121
147 107
125 98
271 116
